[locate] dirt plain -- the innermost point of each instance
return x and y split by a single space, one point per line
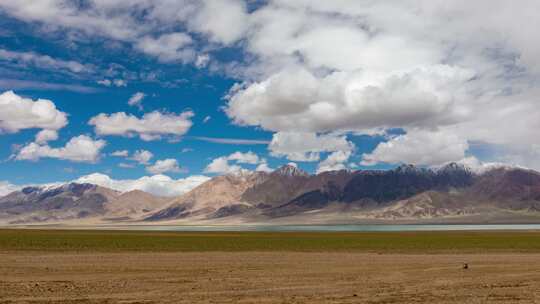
267 277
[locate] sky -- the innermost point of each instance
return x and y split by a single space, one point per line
161 95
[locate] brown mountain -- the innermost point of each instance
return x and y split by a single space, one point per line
288 194
134 204
511 188
219 194
406 192
375 188
75 201
508 193
278 187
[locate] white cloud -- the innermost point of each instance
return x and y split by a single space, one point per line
160 185
306 146
6 188
224 21
44 61
233 141
136 100
165 165
44 136
20 113
120 82
297 100
480 167
150 127
168 47
114 82
244 158
419 147
105 82
202 61
343 66
142 156
264 168
207 119
221 21
14 84
334 161
333 66
222 165
120 153
126 165
78 149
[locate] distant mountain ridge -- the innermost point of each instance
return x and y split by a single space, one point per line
288 194
74 201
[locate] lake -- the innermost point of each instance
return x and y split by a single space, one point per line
321 228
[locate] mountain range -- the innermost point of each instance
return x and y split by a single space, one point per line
406 194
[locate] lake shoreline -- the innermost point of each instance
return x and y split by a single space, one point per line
288 228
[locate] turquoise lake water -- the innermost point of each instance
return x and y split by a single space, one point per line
453 227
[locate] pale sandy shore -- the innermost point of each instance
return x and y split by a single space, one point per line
267 277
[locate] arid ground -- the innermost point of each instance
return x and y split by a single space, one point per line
31 274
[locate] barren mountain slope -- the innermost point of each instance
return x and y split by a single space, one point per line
219 192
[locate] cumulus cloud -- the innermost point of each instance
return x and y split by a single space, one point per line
244 158
231 163
160 185
343 66
297 100
334 161
224 21
151 126
481 167
202 61
20 113
136 100
44 136
220 21
142 156
320 69
221 165
264 168
78 149
7 187
168 47
419 147
163 166
307 146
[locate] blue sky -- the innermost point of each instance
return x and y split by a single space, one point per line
320 85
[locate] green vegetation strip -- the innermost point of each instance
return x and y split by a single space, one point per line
382 242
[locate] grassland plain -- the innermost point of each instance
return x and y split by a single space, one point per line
378 242
88 266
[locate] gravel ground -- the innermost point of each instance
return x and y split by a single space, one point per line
267 277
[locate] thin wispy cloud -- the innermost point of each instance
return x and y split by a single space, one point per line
17 84
232 141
